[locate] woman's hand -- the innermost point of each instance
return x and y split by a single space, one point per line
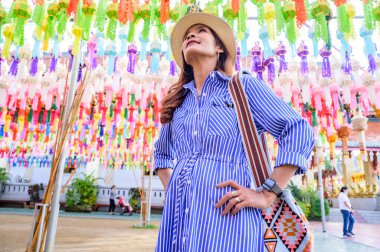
243 197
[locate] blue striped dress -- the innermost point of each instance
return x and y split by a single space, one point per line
204 146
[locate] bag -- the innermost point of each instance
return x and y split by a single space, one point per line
285 225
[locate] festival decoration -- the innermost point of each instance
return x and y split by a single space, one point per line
3 19
269 16
301 12
21 13
62 16
359 124
229 14
260 10
52 12
242 19
289 11
112 11
369 18
88 11
351 12
119 114
8 33
319 11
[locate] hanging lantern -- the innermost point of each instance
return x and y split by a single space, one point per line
144 14
88 11
342 16
111 13
280 21
210 8
319 11
256 57
332 139
269 16
38 12
3 19
62 16
164 11
343 134
50 24
21 12
8 32
376 13
289 11
301 12
229 14
351 13
260 10
101 15
125 13
359 124
77 32
369 17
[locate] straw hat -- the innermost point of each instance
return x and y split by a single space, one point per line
218 25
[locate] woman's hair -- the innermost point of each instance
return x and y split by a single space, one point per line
175 95
112 187
343 188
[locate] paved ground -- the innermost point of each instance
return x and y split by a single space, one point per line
102 232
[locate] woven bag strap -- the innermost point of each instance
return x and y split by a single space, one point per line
255 150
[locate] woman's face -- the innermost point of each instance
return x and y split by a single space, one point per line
199 42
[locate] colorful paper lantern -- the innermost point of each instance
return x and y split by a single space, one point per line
319 11
88 11
21 13
62 16
111 12
289 11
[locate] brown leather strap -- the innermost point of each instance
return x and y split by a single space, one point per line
256 150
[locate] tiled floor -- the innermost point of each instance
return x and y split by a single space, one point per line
367 237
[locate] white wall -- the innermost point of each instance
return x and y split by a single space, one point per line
120 178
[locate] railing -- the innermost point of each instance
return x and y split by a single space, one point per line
19 192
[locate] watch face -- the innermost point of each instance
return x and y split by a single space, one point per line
270 183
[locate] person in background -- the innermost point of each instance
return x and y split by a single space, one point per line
346 210
111 209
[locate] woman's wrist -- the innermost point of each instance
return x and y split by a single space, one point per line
269 196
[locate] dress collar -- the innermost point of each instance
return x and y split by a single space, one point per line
219 75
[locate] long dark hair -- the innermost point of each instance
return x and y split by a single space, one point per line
175 95
343 188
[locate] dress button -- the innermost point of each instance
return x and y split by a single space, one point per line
189 182
184 239
195 132
186 210
204 94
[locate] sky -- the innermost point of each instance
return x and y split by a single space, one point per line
358 43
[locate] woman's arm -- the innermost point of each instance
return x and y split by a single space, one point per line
295 139
163 155
164 174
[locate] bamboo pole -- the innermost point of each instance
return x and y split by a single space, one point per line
63 131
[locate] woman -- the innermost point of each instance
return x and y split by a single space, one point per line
346 210
210 204
111 209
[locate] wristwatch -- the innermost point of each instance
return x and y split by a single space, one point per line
271 186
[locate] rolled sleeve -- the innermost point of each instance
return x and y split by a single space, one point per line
294 135
163 150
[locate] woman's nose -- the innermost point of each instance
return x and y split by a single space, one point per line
190 35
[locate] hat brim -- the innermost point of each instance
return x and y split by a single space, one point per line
218 25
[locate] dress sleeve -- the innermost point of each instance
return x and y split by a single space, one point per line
294 135
163 149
